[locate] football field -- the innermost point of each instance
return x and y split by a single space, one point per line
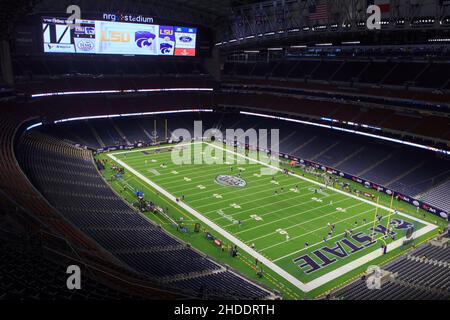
293 224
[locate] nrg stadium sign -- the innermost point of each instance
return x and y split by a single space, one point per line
120 17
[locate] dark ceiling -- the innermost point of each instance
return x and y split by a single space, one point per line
217 8
206 12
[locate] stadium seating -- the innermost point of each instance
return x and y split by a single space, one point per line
25 68
68 179
380 72
391 291
439 196
406 170
217 280
26 274
423 274
92 96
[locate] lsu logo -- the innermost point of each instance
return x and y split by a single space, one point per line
166 32
116 36
85 30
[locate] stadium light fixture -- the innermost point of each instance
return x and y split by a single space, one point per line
351 42
439 40
371 135
34 126
68 93
131 115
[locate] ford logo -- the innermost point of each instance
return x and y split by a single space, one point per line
185 39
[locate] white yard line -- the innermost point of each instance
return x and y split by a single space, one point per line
232 191
262 190
322 185
154 148
321 242
171 177
305 287
236 200
302 223
211 187
216 228
294 215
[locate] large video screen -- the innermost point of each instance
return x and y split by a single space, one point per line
121 38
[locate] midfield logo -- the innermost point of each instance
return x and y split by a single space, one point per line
230 181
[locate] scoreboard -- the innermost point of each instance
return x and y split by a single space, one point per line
117 38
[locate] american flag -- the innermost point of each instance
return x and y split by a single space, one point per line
318 11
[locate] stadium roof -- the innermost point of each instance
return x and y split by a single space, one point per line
213 7
205 12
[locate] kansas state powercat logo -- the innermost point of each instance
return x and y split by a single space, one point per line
231 181
144 38
166 48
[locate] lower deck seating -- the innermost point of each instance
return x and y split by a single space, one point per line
26 274
67 178
422 275
439 196
406 170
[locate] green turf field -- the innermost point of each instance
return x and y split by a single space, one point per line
282 220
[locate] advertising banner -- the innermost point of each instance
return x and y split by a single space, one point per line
117 38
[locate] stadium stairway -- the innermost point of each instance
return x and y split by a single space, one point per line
96 135
316 156
337 165
366 170
404 174
119 131
82 197
30 209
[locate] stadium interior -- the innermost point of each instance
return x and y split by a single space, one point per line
363 117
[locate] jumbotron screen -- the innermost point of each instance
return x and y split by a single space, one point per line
120 38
